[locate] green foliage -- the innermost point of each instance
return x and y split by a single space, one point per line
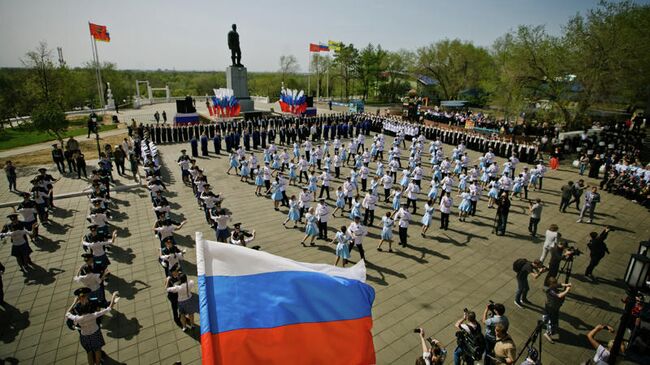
49 117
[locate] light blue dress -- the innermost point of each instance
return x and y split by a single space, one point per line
276 162
428 215
466 204
312 183
311 229
462 184
380 170
245 170
296 151
259 180
433 192
373 187
518 185
342 248
233 161
396 200
356 209
340 199
387 230
294 212
292 171
494 191
405 180
277 194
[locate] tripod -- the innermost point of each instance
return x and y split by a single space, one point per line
531 341
566 268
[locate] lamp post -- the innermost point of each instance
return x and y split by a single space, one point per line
635 277
93 119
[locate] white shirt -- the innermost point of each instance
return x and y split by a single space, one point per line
91 280
412 191
550 239
387 180
369 202
221 220
305 199
357 232
97 247
323 212
445 205
183 290
87 322
404 217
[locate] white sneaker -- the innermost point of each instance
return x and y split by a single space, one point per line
579 220
589 221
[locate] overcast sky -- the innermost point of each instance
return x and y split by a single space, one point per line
191 34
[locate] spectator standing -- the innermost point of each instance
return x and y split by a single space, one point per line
503 209
10 170
551 237
535 211
57 157
505 351
591 200
566 192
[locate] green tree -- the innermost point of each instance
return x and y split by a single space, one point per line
369 68
320 65
346 59
456 65
51 118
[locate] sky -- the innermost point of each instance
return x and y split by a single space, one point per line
191 34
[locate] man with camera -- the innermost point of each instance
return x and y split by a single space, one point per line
524 267
433 353
471 343
497 318
555 295
597 250
560 252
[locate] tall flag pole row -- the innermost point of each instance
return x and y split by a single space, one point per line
319 47
98 33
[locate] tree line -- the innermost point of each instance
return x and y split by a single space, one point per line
599 59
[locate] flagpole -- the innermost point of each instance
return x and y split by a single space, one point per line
99 74
309 72
318 79
92 48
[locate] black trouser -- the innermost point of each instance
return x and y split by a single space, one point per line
532 226
60 165
369 217
502 221
285 199
324 189
380 155
593 262
72 166
12 182
359 247
173 300
120 166
337 172
322 230
417 182
489 350
267 184
540 180
473 209
403 234
318 161
349 201
386 194
444 220
525 191
363 184
394 175
575 199
300 176
408 204
80 169
307 154
564 203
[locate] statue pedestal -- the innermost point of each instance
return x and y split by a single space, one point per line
237 80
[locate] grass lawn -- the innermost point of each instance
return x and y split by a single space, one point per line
18 137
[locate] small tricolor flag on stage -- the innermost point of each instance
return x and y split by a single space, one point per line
258 308
99 32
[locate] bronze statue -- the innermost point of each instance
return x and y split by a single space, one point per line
233 44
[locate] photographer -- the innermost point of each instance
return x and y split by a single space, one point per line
602 354
498 310
524 267
597 250
433 353
505 350
471 343
558 253
555 295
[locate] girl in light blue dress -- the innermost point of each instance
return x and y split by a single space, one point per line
405 178
313 180
429 209
245 171
465 206
380 169
433 192
277 194
292 172
387 232
234 163
267 156
485 177
312 157
493 193
356 207
373 185
397 196
328 162
358 162
344 155
457 167
294 212
462 182
437 174
296 150
340 201
276 162
353 179
518 185
259 180
311 229
342 241
373 151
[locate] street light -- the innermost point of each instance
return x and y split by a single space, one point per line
635 278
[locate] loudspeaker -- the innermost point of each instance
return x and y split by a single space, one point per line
310 101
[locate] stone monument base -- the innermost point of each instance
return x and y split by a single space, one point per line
237 81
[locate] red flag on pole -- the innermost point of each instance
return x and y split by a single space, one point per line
314 47
99 32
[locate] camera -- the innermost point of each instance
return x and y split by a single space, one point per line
491 306
572 252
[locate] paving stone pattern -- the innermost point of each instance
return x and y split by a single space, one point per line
425 285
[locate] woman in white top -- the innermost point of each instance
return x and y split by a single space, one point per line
185 306
90 335
552 235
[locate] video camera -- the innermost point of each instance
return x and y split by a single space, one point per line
571 251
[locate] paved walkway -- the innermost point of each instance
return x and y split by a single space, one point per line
425 285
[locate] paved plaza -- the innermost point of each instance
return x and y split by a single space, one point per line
425 285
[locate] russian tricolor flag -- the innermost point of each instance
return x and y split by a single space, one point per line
258 308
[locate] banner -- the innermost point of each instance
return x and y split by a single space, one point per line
314 47
258 308
99 32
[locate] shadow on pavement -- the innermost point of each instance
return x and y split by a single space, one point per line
12 321
127 290
38 276
118 326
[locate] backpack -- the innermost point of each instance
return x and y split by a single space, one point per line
518 265
476 342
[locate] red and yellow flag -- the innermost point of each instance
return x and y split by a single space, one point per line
99 32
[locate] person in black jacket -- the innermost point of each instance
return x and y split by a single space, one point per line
598 249
503 208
